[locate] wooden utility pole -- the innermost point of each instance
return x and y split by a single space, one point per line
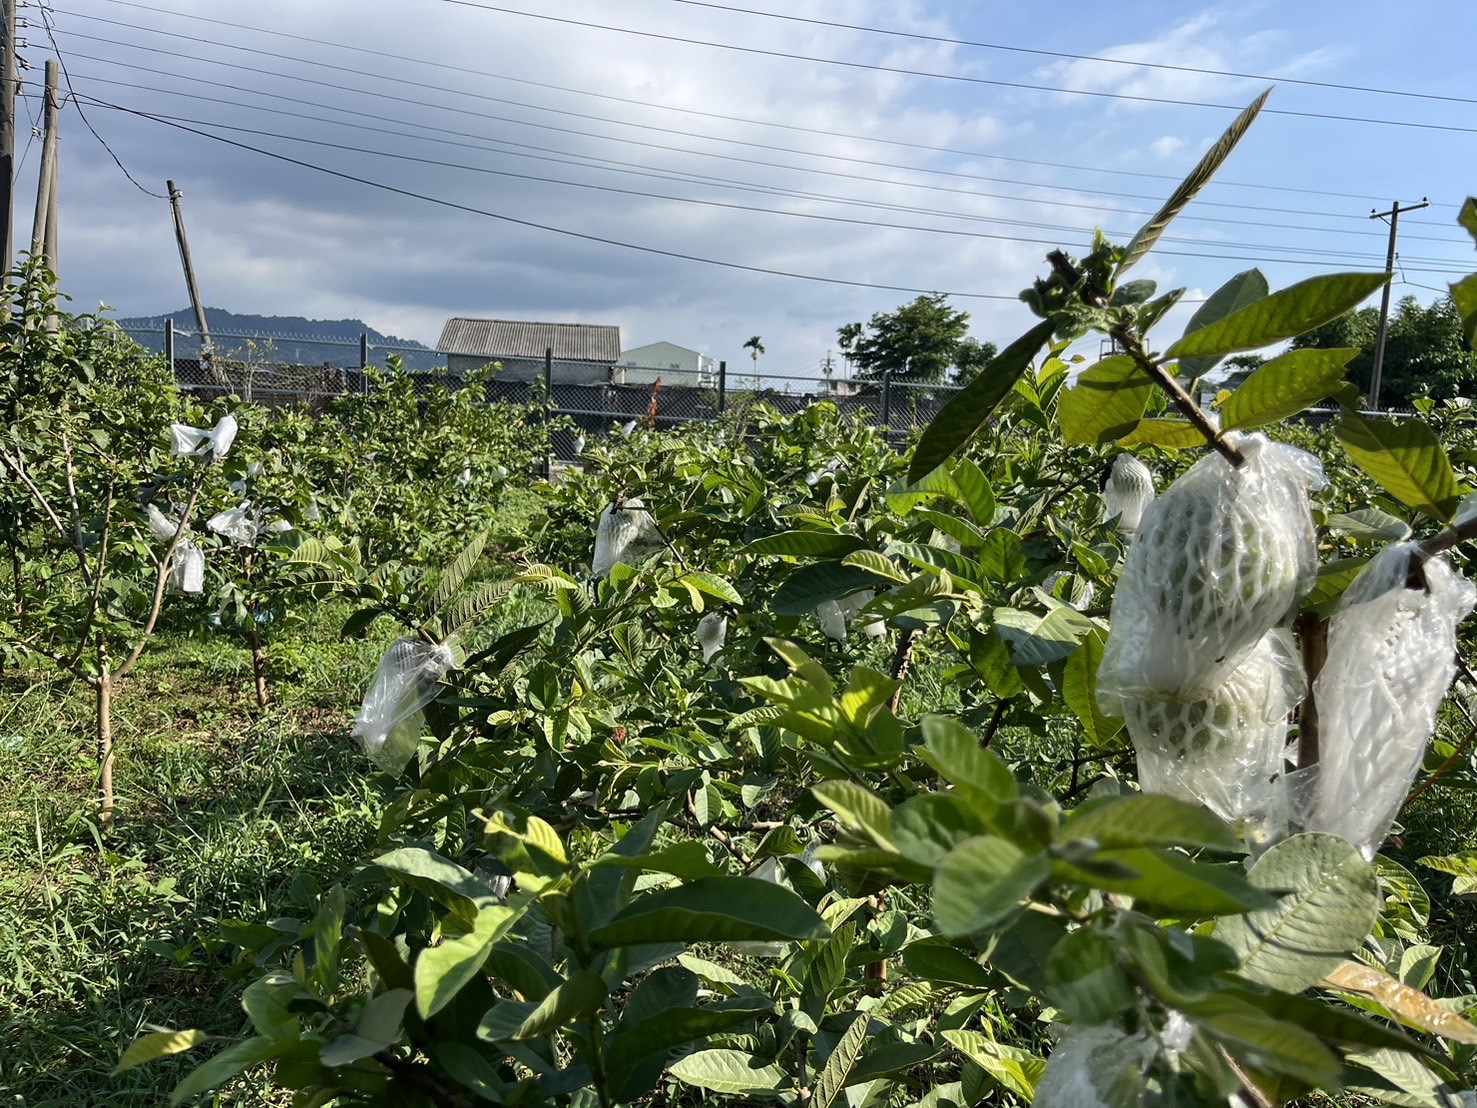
207 354
7 146
48 162
1379 347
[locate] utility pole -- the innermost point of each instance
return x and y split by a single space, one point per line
1379 347
207 353
48 162
7 146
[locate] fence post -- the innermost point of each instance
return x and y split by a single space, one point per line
886 400
169 347
722 387
363 351
548 411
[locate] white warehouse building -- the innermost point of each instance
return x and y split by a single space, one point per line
665 361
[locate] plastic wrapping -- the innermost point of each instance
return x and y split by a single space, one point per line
831 620
625 529
187 569
712 629
1096 1067
237 524
388 725
1228 750
873 628
579 444
1391 658
1128 491
185 439
1221 558
160 525
464 478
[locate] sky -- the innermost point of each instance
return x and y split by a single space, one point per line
701 173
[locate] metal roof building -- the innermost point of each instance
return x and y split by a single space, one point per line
582 351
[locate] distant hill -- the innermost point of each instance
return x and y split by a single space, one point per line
287 339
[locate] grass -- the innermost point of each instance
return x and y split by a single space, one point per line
221 810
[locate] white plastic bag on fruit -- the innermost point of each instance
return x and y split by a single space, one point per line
712 629
237 524
388 725
187 569
831 620
874 628
625 529
1127 492
1391 658
160 525
1096 1067
1221 558
185 439
1228 750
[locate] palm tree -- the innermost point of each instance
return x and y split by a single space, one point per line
755 348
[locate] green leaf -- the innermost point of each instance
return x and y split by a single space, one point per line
1405 458
862 812
1079 688
834 1077
226 1065
1297 308
1464 296
513 1021
1148 235
903 496
158 1044
1284 387
974 491
1169 880
880 565
946 964
454 576
809 544
814 584
712 909
966 414
1106 403
980 778
1147 819
1040 640
1085 980
981 881
729 1071
1307 933
681 859
1463 867
674 1027
1167 434
1370 524
1246 287
1009 1066
1273 1044
439 878
442 971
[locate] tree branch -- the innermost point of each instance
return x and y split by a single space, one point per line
162 580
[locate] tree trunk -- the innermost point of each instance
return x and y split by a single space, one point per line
104 689
258 661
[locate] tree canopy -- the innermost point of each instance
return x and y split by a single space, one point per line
924 342
1425 352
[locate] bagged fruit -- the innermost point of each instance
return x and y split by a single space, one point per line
624 527
1128 490
388 725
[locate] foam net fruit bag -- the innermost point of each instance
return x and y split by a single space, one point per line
1096 1067
1391 658
1220 559
1225 751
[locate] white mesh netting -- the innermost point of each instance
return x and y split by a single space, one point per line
1128 491
1391 658
625 532
712 629
388 725
1221 558
1096 1067
1225 751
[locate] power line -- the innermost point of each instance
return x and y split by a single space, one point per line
565 231
1074 190
920 37
1327 257
954 77
448 67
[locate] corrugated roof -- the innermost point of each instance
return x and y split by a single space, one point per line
508 338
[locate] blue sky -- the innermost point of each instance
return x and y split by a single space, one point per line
826 149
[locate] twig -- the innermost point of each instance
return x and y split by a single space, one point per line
16 468
994 724
901 661
1312 633
719 836
161 581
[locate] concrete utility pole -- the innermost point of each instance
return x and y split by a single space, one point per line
47 175
7 145
207 354
1379 347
